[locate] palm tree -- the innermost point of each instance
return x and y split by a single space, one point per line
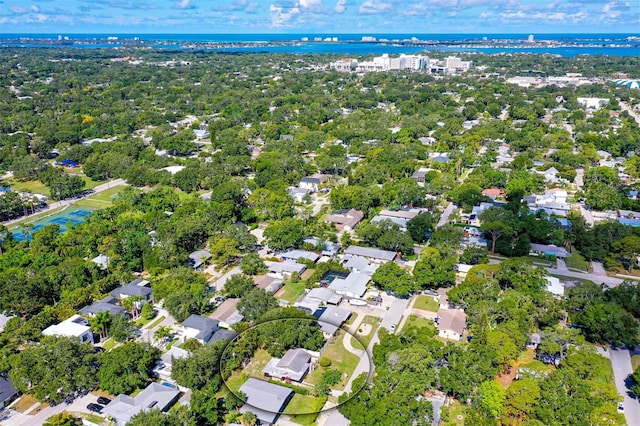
163 333
100 323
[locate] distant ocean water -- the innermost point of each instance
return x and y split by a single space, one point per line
580 44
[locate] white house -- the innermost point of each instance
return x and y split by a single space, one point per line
354 285
76 326
554 286
451 323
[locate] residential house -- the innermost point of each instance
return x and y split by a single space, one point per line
549 250
227 313
265 400
267 283
399 217
285 269
76 326
451 323
7 392
298 194
138 289
493 193
331 318
462 269
439 157
420 174
294 255
155 396
551 175
222 334
108 304
102 261
360 264
163 367
201 134
553 202
293 366
371 254
345 219
474 219
554 286
327 248
325 295
354 285
442 298
199 328
198 258
313 182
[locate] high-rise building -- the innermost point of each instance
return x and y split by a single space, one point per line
530 38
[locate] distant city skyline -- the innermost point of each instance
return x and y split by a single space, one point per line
320 16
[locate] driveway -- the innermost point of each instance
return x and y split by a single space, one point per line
14 418
220 282
444 219
621 363
392 318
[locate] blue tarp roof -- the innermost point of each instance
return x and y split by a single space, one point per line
629 222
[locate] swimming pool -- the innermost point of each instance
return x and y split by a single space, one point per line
62 219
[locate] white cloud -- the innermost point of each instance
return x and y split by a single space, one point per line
34 8
16 9
310 3
185 4
341 6
370 7
280 18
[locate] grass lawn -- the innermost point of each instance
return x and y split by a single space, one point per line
527 356
90 204
291 291
93 418
24 403
635 362
258 362
39 408
341 359
542 260
305 408
373 322
602 371
426 303
563 277
34 186
456 415
109 344
236 380
141 322
419 322
107 195
90 183
577 261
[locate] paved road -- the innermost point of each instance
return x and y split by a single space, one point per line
444 219
10 417
64 203
220 282
626 107
621 363
579 179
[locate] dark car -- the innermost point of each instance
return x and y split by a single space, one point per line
104 401
94 408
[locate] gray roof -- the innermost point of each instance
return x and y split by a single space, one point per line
330 318
354 284
297 254
558 251
197 258
132 289
108 304
222 334
295 359
7 390
287 266
371 252
311 180
174 353
205 325
154 396
325 295
265 399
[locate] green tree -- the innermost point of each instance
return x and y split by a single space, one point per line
522 396
200 369
100 323
127 367
393 278
492 397
474 256
628 249
63 419
238 285
252 264
285 233
154 417
54 368
496 230
420 227
434 270
256 303
120 328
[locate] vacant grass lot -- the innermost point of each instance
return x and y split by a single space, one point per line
577 261
365 339
426 303
419 322
291 291
307 406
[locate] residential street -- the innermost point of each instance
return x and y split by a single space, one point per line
444 219
621 363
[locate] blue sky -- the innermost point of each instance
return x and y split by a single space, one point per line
319 16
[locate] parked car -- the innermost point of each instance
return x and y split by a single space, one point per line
95 408
104 401
620 407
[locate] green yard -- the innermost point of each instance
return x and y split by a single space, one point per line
365 339
236 380
426 303
34 186
107 195
635 362
341 360
419 322
291 291
577 261
260 359
109 344
305 408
